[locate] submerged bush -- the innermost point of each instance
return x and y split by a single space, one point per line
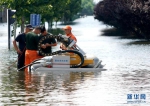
130 15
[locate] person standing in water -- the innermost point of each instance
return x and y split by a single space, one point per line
21 47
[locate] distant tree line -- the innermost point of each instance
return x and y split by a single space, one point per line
87 7
129 15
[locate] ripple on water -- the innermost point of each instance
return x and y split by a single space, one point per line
127 64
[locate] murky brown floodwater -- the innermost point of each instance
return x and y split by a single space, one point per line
128 72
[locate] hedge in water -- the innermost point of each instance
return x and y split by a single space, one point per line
130 15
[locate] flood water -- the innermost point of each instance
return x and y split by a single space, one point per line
128 73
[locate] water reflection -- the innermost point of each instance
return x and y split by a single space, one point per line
113 32
48 88
144 42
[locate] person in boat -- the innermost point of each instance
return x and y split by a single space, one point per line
21 47
47 43
69 34
32 40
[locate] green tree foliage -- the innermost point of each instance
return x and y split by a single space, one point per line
129 15
87 7
55 13
25 7
50 10
72 8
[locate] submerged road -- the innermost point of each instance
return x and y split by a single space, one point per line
127 64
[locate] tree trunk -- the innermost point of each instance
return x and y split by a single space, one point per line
50 24
22 24
44 24
15 27
56 24
65 21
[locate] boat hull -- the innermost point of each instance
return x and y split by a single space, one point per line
46 66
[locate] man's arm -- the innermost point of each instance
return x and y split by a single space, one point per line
16 47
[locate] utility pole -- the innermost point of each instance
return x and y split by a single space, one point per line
10 21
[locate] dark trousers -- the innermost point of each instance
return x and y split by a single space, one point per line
21 60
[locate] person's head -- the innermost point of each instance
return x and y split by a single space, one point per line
37 30
28 28
43 30
67 29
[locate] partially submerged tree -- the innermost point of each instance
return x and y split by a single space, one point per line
129 15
